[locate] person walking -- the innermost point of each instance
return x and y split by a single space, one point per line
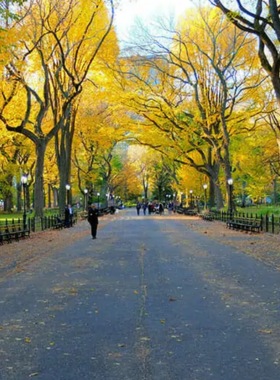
93 220
71 215
170 207
161 209
145 208
138 207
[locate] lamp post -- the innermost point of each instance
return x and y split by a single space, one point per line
230 184
205 196
191 192
85 198
67 193
24 184
98 195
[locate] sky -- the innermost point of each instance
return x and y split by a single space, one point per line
146 10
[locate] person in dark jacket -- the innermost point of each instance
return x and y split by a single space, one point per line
93 220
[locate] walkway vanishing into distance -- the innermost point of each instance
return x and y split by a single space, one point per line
150 299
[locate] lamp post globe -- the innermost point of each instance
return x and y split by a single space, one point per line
24 179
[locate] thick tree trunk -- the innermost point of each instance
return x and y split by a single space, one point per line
8 202
19 192
49 195
39 179
28 197
275 191
212 197
8 195
63 144
55 196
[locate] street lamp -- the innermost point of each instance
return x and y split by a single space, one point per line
68 193
205 196
85 198
191 192
98 194
24 184
230 184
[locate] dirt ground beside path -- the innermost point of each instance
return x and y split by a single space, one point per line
14 257
262 246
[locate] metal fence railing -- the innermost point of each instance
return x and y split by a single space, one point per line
269 223
34 224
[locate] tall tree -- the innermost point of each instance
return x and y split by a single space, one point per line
260 19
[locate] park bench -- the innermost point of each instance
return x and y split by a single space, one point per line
190 212
245 224
5 235
58 223
207 216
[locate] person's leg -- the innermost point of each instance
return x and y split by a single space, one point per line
94 230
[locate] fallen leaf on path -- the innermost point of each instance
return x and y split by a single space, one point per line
135 292
172 299
121 345
145 339
265 331
226 296
52 343
34 374
115 355
162 321
27 340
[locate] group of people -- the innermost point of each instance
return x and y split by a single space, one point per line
157 207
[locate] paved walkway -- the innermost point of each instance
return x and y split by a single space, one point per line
150 299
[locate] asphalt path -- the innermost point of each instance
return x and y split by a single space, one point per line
149 299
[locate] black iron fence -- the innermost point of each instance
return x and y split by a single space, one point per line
269 223
34 224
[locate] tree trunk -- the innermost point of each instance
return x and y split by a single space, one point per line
39 179
8 202
19 191
275 191
27 194
63 146
8 195
55 196
243 202
49 196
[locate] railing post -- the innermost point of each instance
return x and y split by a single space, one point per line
266 223
272 223
261 223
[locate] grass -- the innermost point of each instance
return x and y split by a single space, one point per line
261 210
19 215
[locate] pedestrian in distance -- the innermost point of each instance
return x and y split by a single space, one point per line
138 207
161 209
170 207
144 208
93 220
71 215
